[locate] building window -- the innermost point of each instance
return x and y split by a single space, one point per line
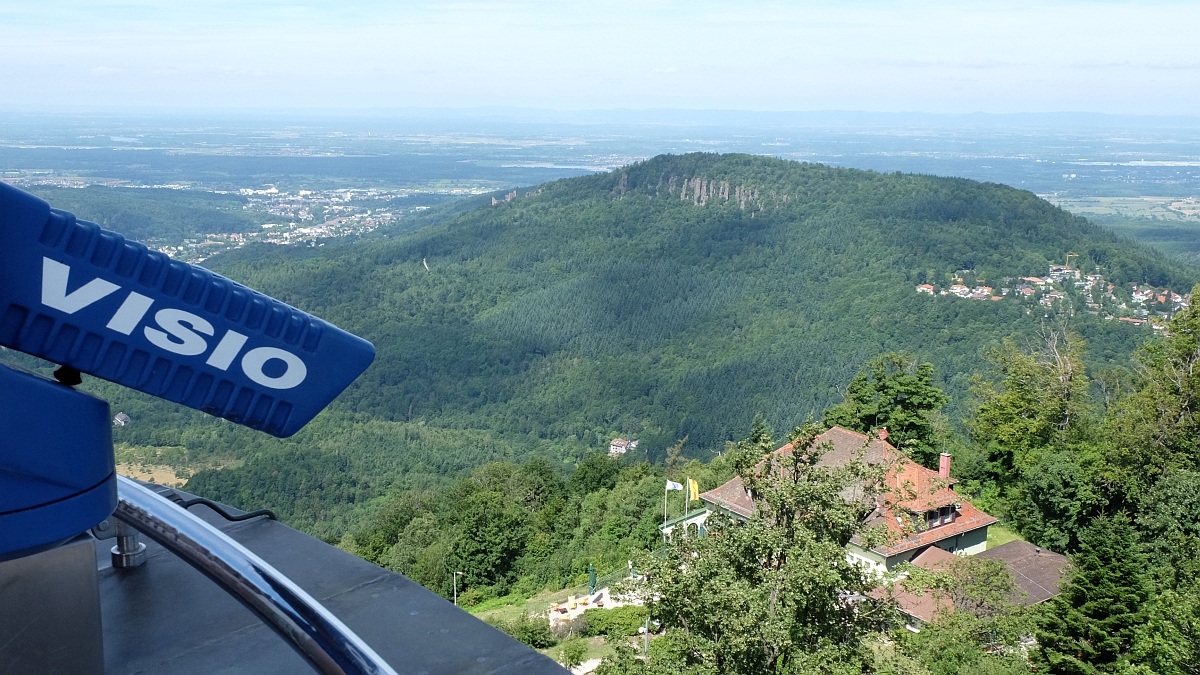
947 514
939 516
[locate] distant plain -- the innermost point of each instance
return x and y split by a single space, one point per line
1139 175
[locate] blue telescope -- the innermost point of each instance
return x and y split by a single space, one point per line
91 301
86 298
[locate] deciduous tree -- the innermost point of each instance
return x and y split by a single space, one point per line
774 594
1155 429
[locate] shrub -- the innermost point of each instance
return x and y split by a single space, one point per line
573 652
574 628
475 596
532 630
616 622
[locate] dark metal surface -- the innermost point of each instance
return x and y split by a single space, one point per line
312 630
165 617
50 612
129 551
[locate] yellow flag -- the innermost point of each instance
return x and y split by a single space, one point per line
693 489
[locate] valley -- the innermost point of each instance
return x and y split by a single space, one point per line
680 300
675 298
638 338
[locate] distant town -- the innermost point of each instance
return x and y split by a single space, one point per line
303 217
307 217
295 217
1066 288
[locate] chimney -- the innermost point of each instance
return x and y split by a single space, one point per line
944 466
883 434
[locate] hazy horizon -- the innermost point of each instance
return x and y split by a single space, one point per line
668 116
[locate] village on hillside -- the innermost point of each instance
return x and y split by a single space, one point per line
303 217
286 217
1067 289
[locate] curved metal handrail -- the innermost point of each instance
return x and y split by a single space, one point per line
314 632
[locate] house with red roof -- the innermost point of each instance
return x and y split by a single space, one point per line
919 508
921 607
1038 575
618 447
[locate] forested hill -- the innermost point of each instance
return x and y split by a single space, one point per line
674 298
679 296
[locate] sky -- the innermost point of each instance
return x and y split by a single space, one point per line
916 56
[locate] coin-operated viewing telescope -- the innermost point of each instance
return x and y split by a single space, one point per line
84 297
95 303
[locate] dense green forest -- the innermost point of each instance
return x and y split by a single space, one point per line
538 315
1114 482
674 298
154 214
1175 237
682 301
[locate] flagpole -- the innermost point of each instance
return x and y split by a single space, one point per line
666 490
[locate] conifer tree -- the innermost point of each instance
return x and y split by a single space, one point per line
895 391
1092 625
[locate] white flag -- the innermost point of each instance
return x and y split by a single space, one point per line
672 485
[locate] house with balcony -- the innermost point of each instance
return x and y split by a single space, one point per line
919 508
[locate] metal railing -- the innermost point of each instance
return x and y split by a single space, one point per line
314 632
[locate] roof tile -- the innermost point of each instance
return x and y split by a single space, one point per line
1038 572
